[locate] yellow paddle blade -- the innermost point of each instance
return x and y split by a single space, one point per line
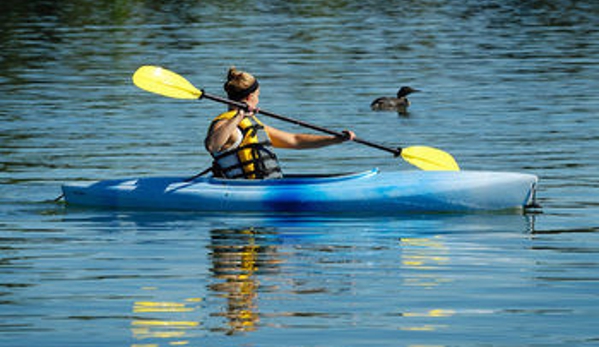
429 158
161 81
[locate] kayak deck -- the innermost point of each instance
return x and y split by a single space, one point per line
369 191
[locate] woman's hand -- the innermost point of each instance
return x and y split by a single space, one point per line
348 135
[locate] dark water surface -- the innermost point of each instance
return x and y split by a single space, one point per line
509 86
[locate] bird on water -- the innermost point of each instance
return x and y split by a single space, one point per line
399 104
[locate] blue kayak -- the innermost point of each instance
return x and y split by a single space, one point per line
364 192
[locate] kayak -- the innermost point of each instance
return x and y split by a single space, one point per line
363 192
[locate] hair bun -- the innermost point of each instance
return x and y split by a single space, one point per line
234 74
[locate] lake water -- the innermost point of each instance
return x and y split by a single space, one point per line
506 86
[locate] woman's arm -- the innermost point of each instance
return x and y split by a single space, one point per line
283 139
223 133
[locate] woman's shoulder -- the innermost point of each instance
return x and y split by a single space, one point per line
226 115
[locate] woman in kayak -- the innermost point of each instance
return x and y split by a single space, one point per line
242 147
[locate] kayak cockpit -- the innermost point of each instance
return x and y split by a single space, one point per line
293 179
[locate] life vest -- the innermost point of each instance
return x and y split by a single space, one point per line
253 158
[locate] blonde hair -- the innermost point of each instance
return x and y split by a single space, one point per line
239 84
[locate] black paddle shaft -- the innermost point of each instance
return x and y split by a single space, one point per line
396 151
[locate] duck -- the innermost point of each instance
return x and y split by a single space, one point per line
399 104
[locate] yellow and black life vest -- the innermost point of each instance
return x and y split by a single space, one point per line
253 158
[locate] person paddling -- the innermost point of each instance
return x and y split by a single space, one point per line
242 146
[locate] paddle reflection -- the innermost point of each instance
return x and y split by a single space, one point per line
158 322
426 256
238 257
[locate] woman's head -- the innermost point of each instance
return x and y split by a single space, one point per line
241 86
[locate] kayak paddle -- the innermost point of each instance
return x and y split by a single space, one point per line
161 81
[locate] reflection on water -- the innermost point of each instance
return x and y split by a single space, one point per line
424 254
238 257
185 279
154 322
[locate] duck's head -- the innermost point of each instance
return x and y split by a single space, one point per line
405 91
